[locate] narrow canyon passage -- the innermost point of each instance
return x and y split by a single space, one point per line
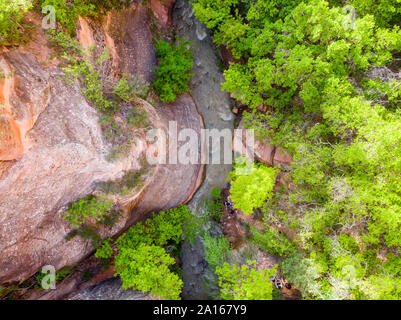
214 106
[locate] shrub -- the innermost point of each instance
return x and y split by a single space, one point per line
11 13
249 191
130 87
137 117
67 12
216 250
303 274
60 275
146 268
87 233
214 207
308 73
173 72
272 242
88 209
105 251
245 282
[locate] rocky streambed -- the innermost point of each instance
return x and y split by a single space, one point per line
214 106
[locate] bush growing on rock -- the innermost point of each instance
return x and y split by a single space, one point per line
173 72
272 242
88 209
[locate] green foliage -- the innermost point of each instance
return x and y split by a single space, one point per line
314 68
386 12
245 282
86 66
272 242
198 224
213 206
145 268
124 186
88 209
168 225
4 291
11 14
143 263
67 12
249 191
86 275
105 251
216 250
173 72
60 275
302 273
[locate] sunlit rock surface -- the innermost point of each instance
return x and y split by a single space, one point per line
53 151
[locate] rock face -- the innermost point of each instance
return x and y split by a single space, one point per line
52 151
163 11
111 289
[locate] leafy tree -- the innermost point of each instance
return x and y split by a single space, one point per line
142 261
250 191
245 282
386 12
173 72
302 273
145 268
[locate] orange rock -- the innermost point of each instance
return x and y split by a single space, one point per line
281 157
162 10
10 138
54 137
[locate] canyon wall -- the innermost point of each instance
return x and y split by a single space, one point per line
52 150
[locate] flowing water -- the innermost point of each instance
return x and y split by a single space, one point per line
214 106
